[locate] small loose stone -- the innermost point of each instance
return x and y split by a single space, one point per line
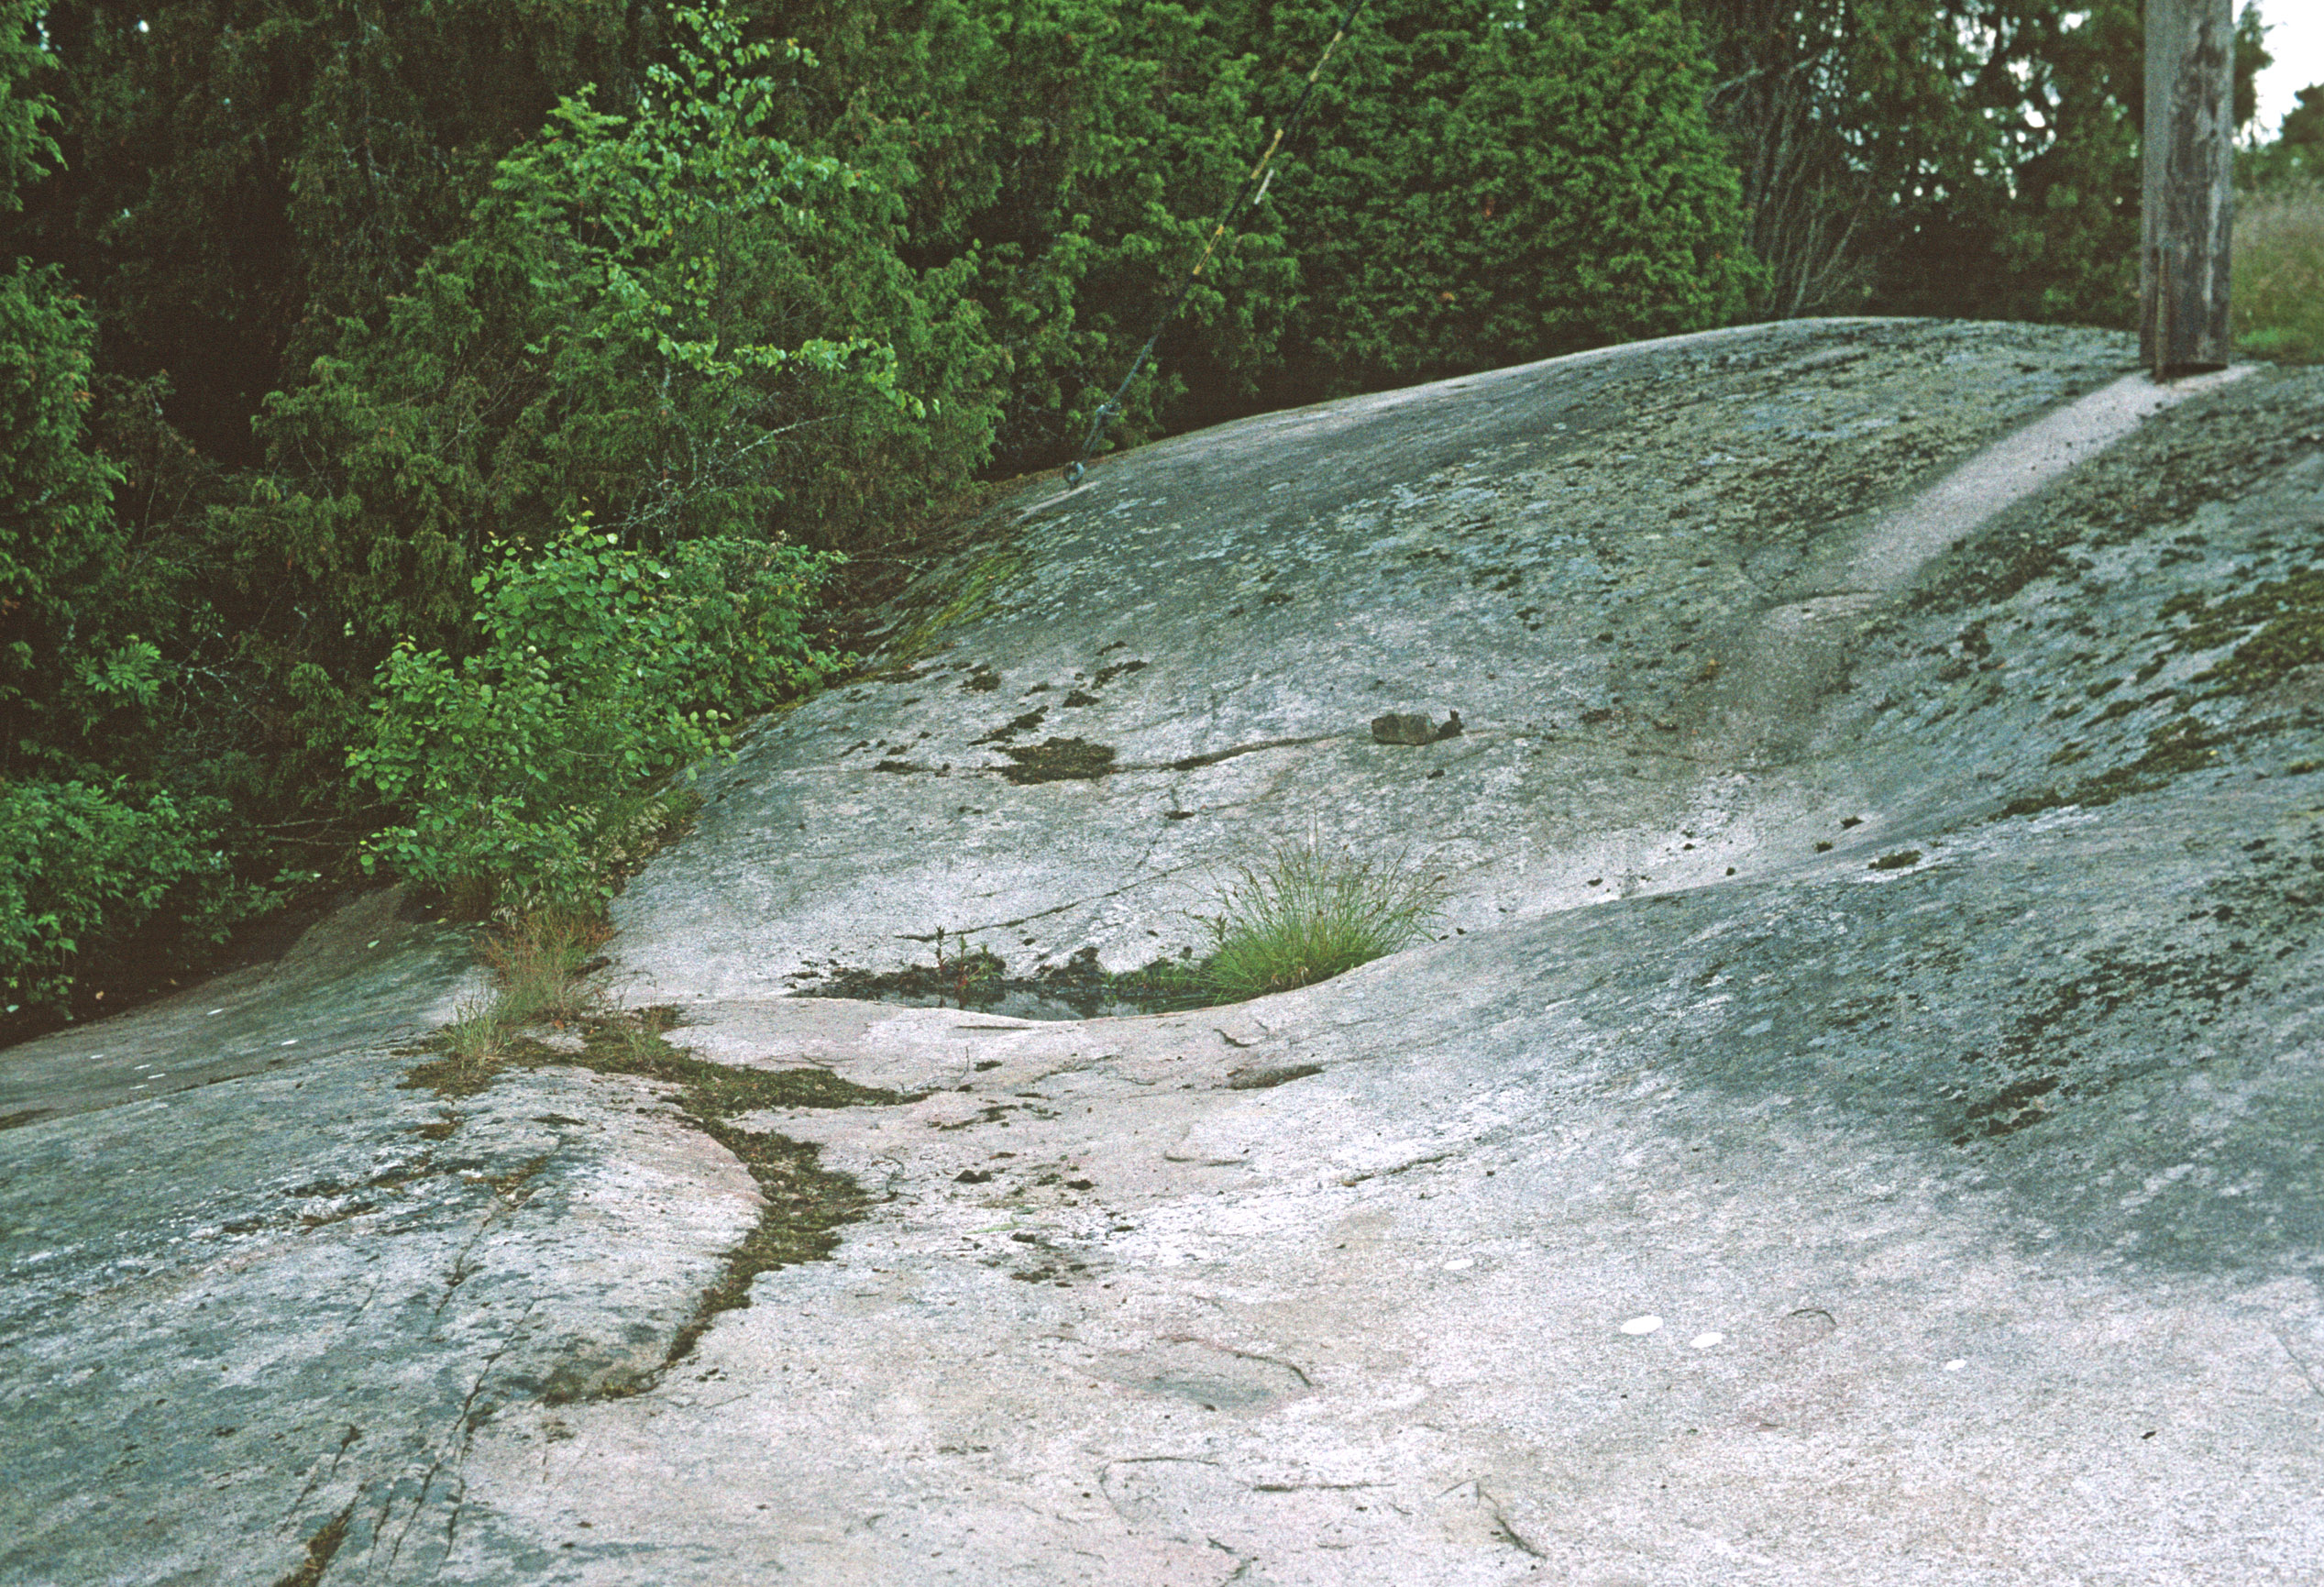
1642 1325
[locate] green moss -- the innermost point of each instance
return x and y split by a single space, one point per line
2284 618
633 1044
2184 743
976 977
803 1204
974 592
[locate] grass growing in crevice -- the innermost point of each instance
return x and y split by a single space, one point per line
1310 914
543 963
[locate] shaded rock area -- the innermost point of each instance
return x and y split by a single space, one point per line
1860 1123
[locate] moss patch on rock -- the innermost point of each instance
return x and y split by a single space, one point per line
803 1204
1059 760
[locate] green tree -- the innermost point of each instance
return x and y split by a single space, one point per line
1830 110
240 173
665 317
1972 157
2294 158
87 856
1066 156
1486 182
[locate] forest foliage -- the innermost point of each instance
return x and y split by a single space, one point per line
424 416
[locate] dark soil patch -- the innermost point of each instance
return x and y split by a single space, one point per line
1059 760
321 1549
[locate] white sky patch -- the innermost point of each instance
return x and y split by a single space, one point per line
2296 38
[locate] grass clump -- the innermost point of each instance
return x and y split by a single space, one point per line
542 960
1309 914
2279 273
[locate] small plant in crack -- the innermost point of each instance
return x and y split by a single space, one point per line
1310 913
972 975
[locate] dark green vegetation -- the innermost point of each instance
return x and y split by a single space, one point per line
966 975
2279 265
379 380
1971 158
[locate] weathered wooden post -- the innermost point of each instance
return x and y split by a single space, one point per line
2188 204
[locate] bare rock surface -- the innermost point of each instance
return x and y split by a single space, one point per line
1860 1123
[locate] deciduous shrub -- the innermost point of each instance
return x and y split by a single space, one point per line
603 670
82 866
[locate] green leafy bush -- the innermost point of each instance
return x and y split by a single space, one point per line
603 670
61 666
1310 914
667 316
82 867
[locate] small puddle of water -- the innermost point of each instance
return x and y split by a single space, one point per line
1077 989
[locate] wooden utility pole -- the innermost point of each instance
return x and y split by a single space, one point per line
2188 206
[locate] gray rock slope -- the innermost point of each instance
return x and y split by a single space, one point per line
1859 1124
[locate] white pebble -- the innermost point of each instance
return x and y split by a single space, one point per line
1956 1365
1642 1325
1460 1265
1704 1341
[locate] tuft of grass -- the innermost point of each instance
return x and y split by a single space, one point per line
542 959
469 1052
2279 274
1309 914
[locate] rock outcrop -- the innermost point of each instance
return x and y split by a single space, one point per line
1860 1120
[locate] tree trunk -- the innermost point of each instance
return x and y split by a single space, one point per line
2188 204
